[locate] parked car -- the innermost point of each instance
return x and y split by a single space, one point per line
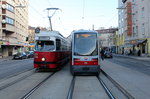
21 55
30 54
108 54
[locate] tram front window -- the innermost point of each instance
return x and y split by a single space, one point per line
85 44
45 46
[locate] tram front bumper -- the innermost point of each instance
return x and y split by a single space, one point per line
85 69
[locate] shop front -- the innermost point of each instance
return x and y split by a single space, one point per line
137 47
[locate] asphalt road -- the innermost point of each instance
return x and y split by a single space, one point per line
134 64
13 67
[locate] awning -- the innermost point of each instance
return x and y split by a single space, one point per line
141 41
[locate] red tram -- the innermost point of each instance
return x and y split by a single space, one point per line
51 50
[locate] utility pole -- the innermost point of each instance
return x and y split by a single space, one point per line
49 17
93 27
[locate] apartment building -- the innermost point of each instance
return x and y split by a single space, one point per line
107 38
31 37
134 25
14 26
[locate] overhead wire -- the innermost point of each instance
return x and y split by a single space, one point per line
111 19
43 17
83 13
83 9
62 25
49 2
36 10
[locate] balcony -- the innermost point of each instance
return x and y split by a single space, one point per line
11 40
8 28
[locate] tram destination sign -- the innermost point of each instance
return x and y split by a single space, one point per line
44 38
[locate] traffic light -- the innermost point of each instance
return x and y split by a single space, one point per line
27 38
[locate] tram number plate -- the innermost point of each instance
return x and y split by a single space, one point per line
85 68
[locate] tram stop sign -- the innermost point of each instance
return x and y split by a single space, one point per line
37 30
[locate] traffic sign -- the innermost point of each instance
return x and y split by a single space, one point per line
37 30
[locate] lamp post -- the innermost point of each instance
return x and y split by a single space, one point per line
49 17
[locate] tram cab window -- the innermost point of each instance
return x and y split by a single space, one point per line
45 46
58 44
85 44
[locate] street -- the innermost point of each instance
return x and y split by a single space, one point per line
74 49
131 74
14 67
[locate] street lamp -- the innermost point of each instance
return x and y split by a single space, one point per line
20 6
49 17
121 8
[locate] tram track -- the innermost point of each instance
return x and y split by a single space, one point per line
37 86
72 85
106 88
71 89
117 85
109 92
15 74
15 81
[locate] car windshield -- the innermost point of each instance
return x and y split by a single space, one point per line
85 44
44 46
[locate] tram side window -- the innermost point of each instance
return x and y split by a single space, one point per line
58 44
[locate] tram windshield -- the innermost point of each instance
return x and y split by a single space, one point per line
44 46
85 44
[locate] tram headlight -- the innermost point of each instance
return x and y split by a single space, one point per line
43 59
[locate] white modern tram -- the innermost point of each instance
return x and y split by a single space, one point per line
85 52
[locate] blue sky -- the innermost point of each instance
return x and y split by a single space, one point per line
100 13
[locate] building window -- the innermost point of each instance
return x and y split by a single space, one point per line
133 30
136 29
143 28
133 19
136 16
142 12
9 8
9 21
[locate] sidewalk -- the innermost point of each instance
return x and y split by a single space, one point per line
6 58
135 82
145 58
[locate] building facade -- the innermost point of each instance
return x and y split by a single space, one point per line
134 25
107 38
31 37
14 26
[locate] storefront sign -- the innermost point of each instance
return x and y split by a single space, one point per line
129 18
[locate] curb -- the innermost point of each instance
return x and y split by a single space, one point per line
5 59
132 57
